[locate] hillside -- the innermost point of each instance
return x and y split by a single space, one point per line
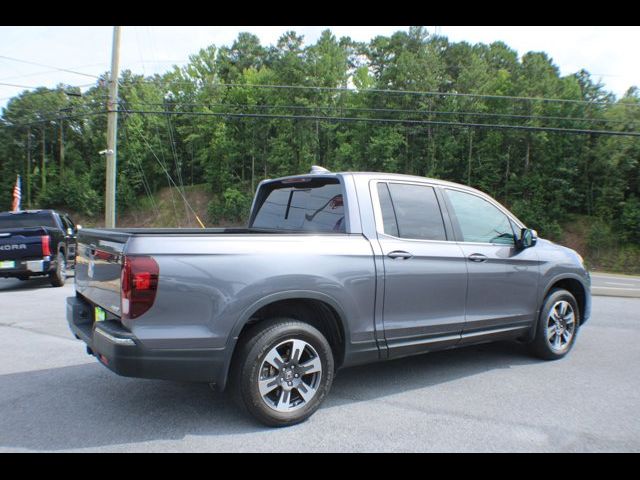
165 209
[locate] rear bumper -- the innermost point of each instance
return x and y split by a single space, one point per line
121 352
28 268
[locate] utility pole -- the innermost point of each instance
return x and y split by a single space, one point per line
28 167
112 132
61 146
43 168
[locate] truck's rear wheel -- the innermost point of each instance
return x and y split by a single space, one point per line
282 372
59 276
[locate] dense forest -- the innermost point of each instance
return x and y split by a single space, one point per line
555 149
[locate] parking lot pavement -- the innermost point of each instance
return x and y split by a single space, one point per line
611 284
494 397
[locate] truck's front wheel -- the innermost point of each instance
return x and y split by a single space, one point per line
557 326
283 370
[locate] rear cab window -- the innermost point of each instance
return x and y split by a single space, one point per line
27 220
302 205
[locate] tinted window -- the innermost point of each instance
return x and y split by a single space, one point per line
388 215
315 205
417 212
69 223
479 220
65 222
26 220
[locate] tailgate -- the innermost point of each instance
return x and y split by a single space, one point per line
99 261
21 243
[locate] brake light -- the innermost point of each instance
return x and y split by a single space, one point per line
46 245
138 285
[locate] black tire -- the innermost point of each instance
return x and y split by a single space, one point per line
249 364
59 276
542 346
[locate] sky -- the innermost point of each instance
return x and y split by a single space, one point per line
608 53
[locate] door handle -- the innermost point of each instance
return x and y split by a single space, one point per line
477 257
400 254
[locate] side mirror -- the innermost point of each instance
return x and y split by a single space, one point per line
78 227
69 231
528 238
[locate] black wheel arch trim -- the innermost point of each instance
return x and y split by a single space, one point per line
547 289
248 313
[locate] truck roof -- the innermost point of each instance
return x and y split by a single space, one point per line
46 210
319 173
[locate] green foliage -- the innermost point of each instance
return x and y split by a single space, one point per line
544 177
73 194
600 236
233 207
630 220
608 251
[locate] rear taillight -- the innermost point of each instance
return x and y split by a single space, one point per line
138 285
46 245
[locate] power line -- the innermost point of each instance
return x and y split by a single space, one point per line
389 120
344 119
43 72
48 66
392 110
48 91
51 119
386 91
144 139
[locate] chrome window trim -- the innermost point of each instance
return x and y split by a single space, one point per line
377 210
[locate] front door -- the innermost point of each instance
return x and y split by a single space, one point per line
502 288
425 273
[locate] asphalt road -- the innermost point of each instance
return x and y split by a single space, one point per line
54 397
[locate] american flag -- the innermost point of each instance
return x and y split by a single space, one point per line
17 195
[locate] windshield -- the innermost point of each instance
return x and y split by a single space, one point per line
314 205
26 220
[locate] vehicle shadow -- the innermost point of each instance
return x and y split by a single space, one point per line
381 379
86 406
36 283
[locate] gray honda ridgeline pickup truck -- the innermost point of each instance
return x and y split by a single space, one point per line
333 270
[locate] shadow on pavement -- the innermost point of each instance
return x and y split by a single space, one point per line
36 283
387 378
87 406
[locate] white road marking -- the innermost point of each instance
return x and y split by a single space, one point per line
600 277
613 288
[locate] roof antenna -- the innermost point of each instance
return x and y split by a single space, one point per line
316 169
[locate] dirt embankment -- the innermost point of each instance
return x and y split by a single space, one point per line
166 209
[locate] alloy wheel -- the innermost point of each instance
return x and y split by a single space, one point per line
561 326
290 375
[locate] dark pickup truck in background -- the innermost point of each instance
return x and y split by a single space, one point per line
37 243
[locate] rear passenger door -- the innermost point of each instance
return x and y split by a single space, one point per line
425 276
